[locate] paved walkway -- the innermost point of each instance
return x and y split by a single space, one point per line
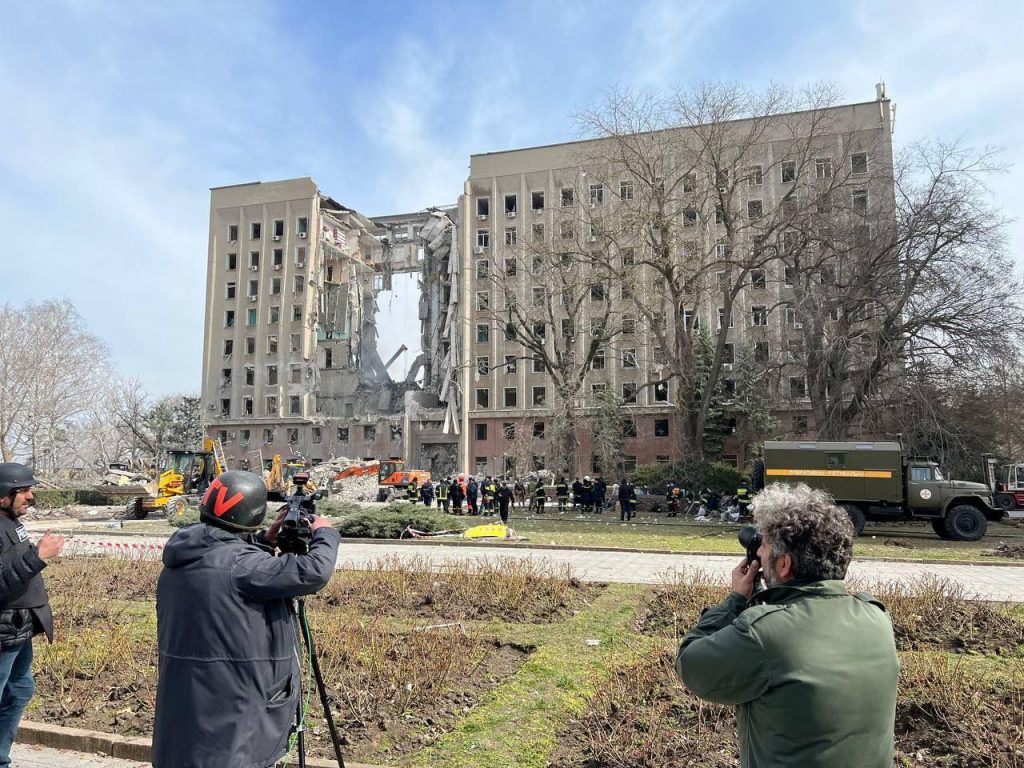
43 757
988 582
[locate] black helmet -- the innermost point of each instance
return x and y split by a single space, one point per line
235 501
14 476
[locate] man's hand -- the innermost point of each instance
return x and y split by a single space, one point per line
270 535
50 545
743 576
318 522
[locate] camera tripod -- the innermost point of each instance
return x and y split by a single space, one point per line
299 612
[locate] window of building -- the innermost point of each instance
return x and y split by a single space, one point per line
540 397
823 168
729 353
255 230
483 238
760 351
298 284
510 364
302 226
229 318
328 358
273 315
597 292
296 312
796 349
540 296
628 325
483 398
719 215
759 315
538 429
510 332
538 364
689 183
483 300
598 390
724 320
729 387
538 232
300 256
797 387
540 331
511 235
788 171
232 261
722 177
597 362
859 163
225 407
230 292
483 333
629 390
318 435
691 320
229 346
860 200
789 275
626 190
511 397
295 405
275 286
272 375
254 260
277 257
755 209
342 434
250 345
755 176
567 230
628 428
481 431
511 204
758 279
369 434
270 405
246 435
596 194
568 196
629 358
537 200
661 392
271 345
689 217
232 233
268 435
509 266
483 365
661 427
483 207
254 289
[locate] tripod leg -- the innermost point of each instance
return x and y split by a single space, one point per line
321 688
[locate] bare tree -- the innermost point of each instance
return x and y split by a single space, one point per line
51 367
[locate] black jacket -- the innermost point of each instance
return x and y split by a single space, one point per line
24 605
229 676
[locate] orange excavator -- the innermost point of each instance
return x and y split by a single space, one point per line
392 476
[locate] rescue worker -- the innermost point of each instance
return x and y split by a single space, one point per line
811 668
562 492
587 494
458 495
743 498
427 493
600 490
577 493
539 497
520 493
504 501
627 497
473 496
229 679
24 605
412 491
492 489
443 491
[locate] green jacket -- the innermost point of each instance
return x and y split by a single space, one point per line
811 669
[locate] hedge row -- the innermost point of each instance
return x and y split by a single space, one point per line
51 498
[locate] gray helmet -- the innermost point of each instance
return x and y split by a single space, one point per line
14 476
235 501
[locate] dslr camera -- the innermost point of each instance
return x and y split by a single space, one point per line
296 532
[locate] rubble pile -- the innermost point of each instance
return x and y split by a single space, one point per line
355 488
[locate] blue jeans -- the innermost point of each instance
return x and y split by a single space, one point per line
18 686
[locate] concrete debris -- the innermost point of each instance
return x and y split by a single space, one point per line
122 477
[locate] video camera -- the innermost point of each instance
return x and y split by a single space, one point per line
296 532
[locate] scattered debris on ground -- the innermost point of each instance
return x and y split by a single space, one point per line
897 543
1014 551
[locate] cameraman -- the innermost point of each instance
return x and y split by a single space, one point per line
811 668
229 670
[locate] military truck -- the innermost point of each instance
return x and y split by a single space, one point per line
875 481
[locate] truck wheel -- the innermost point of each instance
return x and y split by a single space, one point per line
1005 501
175 507
965 523
939 526
856 517
757 476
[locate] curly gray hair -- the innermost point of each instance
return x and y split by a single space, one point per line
807 524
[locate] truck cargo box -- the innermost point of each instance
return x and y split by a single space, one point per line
851 471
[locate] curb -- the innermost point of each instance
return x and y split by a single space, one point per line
139 547
111 745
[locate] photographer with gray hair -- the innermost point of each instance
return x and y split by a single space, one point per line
810 667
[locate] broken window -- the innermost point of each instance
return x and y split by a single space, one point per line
302 226
230 294
510 332
536 265
755 209
483 398
255 230
254 289
759 315
244 441
628 325
629 358
483 268
317 435
483 365
758 279
483 207
483 238
538 429
510 364
537 201
722 177
538 364
481 431
860 200
597 390
567 230
596 194
510 267
250 345
755 176
661 392
597 292
483 333
232 233
268 435
296 374
797 387
298 284
568 196
689 217
510 205
629 428
229 318
729 387
511 397
229 346
689 182
790 241
538 233
225 407
483 301
597 362
272 345
273 315
625 292
270 406
291 435
788 171
540 331
511 235
275 286
232 261
508 430
300 256
629 393
342 434
661 427
859 163
328 358
254 260
626 190
760 351
540 396
369 433
539 296
272 375
567 328
295 405
823 168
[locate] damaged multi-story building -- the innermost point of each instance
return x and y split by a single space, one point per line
303 293
329 333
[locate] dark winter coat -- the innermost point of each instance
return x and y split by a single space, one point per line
458 496
229 677
504 498
24 604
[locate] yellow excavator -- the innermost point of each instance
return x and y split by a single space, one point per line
278 474
185 474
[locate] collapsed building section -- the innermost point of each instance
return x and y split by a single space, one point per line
340 340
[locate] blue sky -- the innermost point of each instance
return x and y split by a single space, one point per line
119 116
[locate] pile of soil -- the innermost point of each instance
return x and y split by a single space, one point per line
672 611
1013 551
